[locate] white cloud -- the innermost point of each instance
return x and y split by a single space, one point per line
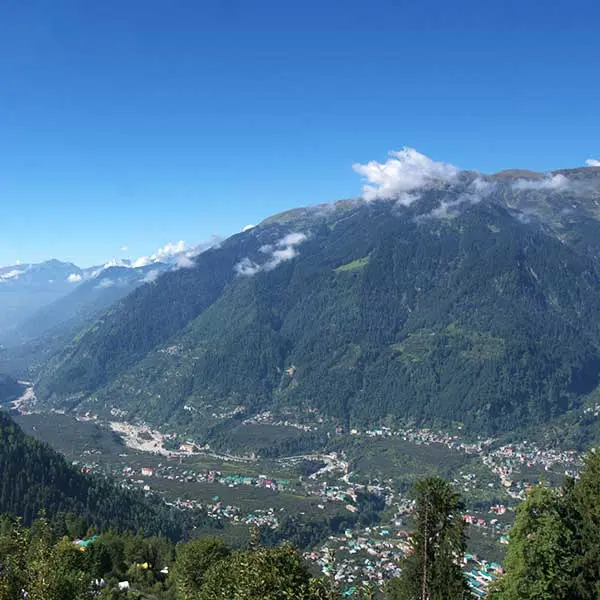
172 253
124 248
113 262
143 261
482 186
117 262
168 253
168 250
404 172
279 256
592 162
185 262
477 190
448 209
247 267
151 276
106 283
292 239
74 278
549 182
406 198
283 250
248 227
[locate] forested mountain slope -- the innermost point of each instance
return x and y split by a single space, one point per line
10 389
33 477
475 301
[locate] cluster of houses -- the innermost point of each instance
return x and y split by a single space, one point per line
508 461
83 543
373 555
268 418
494 525
592 410
261 481
346 493
423 437
480 574
211 476
359 558
257 518
218 510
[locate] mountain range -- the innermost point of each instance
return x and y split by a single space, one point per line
26 287
469 300
43 305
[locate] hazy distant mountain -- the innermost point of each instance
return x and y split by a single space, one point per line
472 299
26 287
29 342
39 298
35 299
88 298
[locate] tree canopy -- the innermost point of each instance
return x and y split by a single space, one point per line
432 571
554 550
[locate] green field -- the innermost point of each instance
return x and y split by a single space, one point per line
71 437
399 460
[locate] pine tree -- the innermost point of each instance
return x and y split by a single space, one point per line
258 574
431 571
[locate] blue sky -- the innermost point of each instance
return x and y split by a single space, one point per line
134 123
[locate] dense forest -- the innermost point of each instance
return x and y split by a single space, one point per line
487 315
9 389
35 479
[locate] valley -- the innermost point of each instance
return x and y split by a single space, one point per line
352 494
299 301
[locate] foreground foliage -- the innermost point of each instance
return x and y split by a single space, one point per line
37 565
432 569
554 550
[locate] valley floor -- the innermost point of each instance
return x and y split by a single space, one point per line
328 485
